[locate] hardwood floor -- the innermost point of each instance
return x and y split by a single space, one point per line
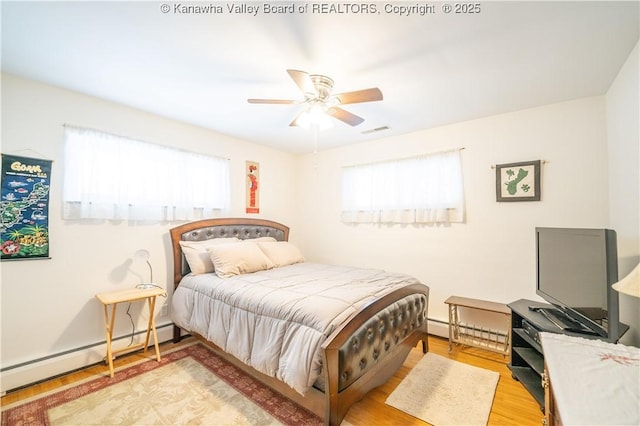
512 404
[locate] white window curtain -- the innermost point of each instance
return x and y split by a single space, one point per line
424 189
113 177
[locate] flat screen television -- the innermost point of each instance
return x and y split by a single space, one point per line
575 271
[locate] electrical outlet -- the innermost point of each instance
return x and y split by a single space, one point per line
164 310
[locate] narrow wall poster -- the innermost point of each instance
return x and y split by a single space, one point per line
253 185
24 207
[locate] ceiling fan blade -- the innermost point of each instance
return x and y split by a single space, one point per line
296 121
271 101
346 116
303 81
366 95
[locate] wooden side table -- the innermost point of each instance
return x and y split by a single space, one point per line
112 298
484 338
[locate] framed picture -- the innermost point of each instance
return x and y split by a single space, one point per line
253 187
518 181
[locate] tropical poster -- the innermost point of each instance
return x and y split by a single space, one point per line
24 207
253 183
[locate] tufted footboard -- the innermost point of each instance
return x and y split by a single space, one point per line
371 346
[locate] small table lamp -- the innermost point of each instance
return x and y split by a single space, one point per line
143 256
630 284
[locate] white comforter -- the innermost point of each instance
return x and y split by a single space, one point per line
277 320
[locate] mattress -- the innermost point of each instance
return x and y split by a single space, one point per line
277 320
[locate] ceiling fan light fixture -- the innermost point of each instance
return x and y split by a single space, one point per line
316 113
315 116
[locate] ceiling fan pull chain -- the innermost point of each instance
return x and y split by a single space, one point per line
315 139
315 148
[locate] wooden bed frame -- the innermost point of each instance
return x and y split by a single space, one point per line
362 354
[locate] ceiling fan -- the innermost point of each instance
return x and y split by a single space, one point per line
317 95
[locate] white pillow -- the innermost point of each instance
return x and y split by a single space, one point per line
262 239
282 253
197 256
235 259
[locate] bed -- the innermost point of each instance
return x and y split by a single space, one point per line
322 335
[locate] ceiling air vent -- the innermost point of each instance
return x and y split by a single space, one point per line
377 129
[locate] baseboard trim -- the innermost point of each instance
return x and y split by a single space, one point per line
438 328
35 371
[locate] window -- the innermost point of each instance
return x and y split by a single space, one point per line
112 177
424 189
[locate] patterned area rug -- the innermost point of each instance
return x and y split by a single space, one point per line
189 386
443 392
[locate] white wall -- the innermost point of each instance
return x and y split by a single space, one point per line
623 132
492 255
48 306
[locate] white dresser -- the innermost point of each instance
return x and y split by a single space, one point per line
590 382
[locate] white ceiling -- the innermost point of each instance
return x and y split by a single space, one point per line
434 69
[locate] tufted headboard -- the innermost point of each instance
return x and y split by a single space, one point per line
243 228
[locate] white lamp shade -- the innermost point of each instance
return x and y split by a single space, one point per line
142 255
630 284
314 116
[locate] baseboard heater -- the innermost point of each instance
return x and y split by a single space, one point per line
471 329
29 373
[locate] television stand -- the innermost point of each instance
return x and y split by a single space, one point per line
563 321
527 360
